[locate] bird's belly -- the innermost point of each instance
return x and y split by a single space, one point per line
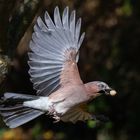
66 104
60 108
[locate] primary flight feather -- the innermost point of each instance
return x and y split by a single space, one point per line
53 57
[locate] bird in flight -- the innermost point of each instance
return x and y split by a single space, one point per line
53 57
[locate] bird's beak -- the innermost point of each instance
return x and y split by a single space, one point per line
111 92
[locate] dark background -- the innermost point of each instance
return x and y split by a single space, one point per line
110 53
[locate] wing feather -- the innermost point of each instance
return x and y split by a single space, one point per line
76 114
65 18
72 25
57 18
77 32
81 40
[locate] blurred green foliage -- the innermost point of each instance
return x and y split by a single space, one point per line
110 53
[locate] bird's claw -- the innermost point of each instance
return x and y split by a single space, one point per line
57 118
54 114
51 110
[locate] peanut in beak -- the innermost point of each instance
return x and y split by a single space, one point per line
110 92
113 92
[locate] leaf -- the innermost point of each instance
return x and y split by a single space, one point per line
22 47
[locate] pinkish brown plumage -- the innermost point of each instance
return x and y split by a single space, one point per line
53 69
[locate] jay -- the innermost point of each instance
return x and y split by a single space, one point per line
53 57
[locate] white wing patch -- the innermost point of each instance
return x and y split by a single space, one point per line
50 42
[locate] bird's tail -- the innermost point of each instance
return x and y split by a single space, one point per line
13 112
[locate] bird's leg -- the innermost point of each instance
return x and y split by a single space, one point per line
51 110
57 118
54 114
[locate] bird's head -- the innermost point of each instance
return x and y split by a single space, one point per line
98 87
103 88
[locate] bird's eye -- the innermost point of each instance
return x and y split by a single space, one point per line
102 86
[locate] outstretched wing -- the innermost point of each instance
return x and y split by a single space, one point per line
54 51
